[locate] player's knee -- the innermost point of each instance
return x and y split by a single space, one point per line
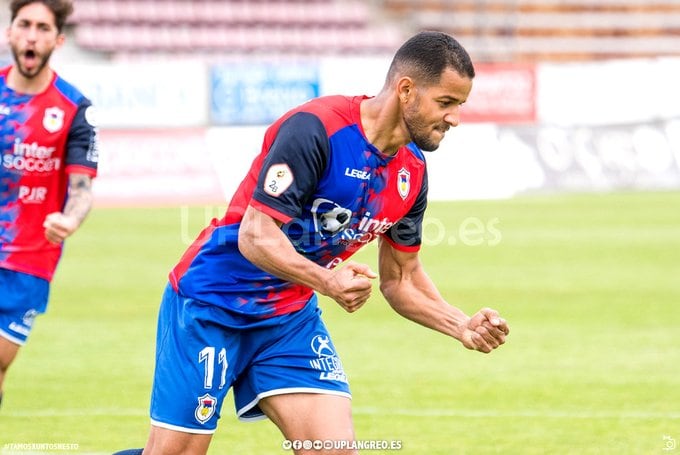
8 352
4 365
168 442
173 449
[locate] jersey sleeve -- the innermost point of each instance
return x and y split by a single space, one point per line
406 234
82 145
293 167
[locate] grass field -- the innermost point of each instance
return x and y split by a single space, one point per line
590 285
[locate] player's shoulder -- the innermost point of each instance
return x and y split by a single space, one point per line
415 152
334 111
69 91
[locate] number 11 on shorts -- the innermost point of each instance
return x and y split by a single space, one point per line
207 355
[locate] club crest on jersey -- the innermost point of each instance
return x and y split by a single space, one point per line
277 180
53 120
403 182
206 408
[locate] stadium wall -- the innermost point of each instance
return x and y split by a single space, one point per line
185 132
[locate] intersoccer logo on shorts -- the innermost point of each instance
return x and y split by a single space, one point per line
29 317
327 361
206 408
321 345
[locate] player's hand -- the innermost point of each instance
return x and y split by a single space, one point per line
485 331
350 286
59 226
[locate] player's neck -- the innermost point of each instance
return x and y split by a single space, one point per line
383 124
29 85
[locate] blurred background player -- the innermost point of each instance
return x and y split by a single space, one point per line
49 157
241 309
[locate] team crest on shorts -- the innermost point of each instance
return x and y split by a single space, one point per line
53 120
206 408
403 182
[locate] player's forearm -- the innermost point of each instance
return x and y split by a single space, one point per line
417 299
79 200
285 263
262 242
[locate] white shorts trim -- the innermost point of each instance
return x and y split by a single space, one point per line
11 338
167 426
270 393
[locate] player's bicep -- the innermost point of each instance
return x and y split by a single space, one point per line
82 146
257 230
395 264
79 183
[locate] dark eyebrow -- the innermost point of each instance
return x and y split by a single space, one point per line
448 98
25 20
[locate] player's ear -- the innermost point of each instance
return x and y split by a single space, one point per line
61 39
404 89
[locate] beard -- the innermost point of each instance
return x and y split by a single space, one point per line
42 60
420 130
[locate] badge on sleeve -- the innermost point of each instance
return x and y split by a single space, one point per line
279 177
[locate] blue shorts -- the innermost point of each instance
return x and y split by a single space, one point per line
198 359
22 298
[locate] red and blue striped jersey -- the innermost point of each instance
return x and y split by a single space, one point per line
333 191
44 138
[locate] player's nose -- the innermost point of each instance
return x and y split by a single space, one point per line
32 34
453 116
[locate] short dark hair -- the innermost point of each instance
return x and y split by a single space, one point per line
61 9
427 54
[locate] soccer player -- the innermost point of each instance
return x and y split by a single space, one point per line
240 310
49 157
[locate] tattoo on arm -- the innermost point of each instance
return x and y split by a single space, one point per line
79 199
